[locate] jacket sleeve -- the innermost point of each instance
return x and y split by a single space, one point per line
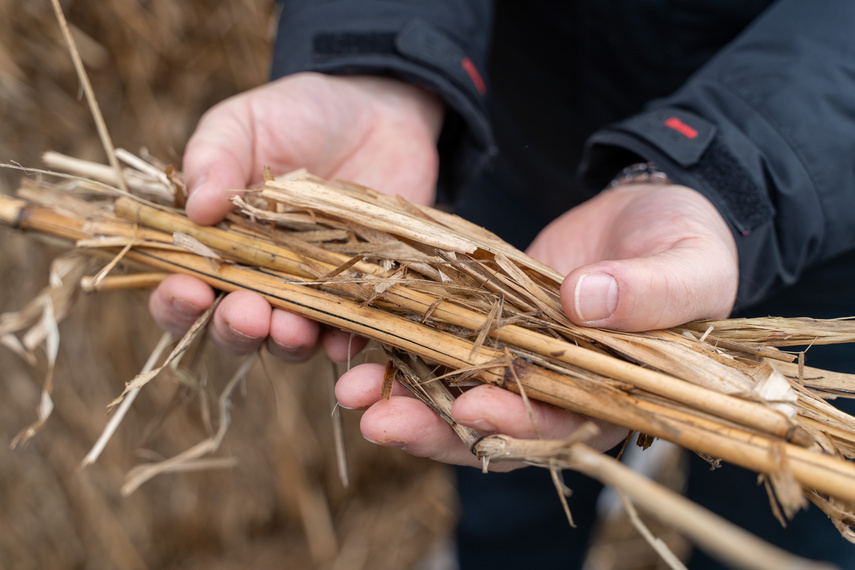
766 131
438 44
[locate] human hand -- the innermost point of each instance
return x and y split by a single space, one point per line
376 131
642 257
405 423
672 259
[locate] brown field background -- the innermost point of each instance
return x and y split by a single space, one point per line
156 66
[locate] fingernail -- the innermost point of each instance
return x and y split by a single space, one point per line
289 353
482 426
239 334
186 308
197 185
596 296
389 443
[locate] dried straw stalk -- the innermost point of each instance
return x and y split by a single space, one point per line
432 285
732 545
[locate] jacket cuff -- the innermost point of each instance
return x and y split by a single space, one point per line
414 51
685 147
689 149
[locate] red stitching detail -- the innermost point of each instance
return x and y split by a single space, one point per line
681 127
469 67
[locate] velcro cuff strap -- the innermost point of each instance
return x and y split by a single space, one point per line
418 42
332 45
689 150
681 135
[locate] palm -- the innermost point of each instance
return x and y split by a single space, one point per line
378 132
669 249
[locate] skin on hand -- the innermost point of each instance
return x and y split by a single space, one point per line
642 257
375 131
405 423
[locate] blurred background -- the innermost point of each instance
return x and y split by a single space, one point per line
156 66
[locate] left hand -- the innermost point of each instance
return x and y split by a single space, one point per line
642 257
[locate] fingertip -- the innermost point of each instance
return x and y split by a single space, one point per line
241 322
341 346
381 423
590 298
209 200
489 409
292 338
362 386
179 301
209 205
626 295
654 292
408 424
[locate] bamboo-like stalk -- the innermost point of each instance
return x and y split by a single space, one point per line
122 282
259 254
706 529
712 533
11 209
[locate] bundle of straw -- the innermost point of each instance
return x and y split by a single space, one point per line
435 289
452 302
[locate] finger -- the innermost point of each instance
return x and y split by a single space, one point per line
292 338
217 161
408 424
402 421
667 289
179 301
360 387
405 423
490 409
341 346
241 322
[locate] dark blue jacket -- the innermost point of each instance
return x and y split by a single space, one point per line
750 102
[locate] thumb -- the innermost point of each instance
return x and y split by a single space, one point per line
689 281
218 160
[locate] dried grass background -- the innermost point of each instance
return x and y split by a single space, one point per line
156 66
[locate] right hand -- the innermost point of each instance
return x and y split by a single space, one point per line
375 131
671 258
